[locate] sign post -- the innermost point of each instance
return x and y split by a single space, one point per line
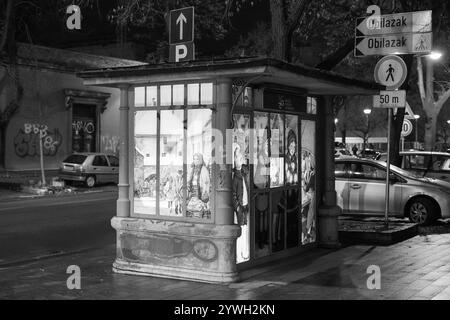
181 35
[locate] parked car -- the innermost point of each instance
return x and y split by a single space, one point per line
360 189
425 163
342 153
90 168
369 154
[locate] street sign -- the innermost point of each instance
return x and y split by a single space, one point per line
406 22
390 72
407 128
181 25
390 99
400 43
182 52
409 114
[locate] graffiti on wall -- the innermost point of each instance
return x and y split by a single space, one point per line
83 126
110 144
26 142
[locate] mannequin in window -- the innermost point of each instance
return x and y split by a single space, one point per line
198 187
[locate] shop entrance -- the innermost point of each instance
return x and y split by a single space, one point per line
84 127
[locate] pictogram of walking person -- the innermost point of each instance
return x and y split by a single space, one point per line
390 71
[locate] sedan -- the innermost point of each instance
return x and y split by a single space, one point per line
90 168
360 189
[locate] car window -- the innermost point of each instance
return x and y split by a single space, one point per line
75 158
367 171
416 161
440 162
113 161
340 170
100 161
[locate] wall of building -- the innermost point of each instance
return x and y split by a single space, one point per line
43 109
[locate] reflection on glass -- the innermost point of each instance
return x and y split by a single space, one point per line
171 163
261 169
276 150
145 163
292 218
311 105
139 97
278 218
248 97
308 174
262 225
241 185
291 162
152 96
193 94
166 95
178 95
206 93
199 149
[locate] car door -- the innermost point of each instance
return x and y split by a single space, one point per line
342 185
367 190
114 167
100 167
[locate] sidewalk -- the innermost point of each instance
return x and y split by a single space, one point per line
418 268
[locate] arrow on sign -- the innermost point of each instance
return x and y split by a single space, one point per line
181 19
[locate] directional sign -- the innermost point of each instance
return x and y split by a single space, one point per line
182 52
181 26
407 128
406 22
390 99
391 72
401 43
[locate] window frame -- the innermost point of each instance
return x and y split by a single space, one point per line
158 108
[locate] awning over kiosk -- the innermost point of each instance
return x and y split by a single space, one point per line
224 164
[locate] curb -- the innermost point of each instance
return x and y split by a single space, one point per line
64 195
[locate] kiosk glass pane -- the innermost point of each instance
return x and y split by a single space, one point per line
152 96
261 171
291 159
166 96
139 97
206 93
199 150
276 150
293 218
308 181
241 184
178 95
171 163
145 162
193 94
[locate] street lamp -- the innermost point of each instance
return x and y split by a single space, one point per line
435 55
367 112
417 117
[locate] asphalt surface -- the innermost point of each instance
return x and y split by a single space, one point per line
45 227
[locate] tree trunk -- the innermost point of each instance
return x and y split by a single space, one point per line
281 43
3 145
396 130
430 132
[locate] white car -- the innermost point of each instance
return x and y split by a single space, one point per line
342 153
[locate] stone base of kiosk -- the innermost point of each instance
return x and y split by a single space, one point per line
180 250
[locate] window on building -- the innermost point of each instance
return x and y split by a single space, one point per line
174 177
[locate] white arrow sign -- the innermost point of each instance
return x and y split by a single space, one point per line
402 43
181 19
406 22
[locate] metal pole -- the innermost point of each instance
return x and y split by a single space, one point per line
417 135
388 164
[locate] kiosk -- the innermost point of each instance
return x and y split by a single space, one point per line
224 164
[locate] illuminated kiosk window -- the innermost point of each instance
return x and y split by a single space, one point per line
173 147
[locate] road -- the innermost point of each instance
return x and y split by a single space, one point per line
37 228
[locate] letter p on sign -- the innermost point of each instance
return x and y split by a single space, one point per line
181 52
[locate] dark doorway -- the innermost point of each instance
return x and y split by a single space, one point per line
84 127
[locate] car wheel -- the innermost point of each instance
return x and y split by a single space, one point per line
421 211
90 181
